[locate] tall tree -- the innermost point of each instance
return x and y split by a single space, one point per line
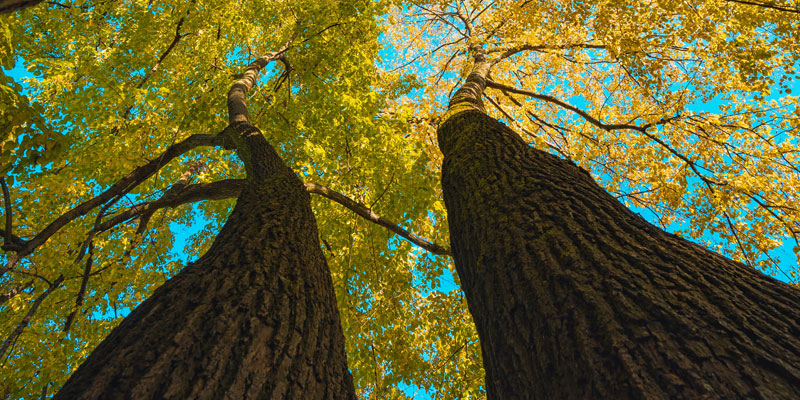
254 317
131 90
683 111
574 295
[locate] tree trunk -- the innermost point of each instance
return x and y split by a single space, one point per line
255 317
574 296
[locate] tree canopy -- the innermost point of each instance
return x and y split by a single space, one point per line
684 111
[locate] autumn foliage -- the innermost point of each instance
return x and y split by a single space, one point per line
110 154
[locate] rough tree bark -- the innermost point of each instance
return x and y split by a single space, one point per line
575 296
253 318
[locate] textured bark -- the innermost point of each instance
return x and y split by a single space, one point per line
255 317
575 296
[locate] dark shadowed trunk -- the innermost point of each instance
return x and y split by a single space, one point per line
574 296
255 317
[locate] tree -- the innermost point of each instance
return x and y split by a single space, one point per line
337 117
255 316
119 106
574 295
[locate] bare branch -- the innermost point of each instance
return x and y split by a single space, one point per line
232 187
440 15
576 110
430 53
474 18
511 120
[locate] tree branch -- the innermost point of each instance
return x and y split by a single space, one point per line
219 190
765 5
594 121
370 215
508 52
29 315
8 236
14 291
550 99
87 270
709 182
529 133
177 38
124 185
17 243
231 188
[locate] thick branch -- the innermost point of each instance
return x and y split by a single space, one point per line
8 236
231 188
16 243
192 193
370 215
122 186
470 95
